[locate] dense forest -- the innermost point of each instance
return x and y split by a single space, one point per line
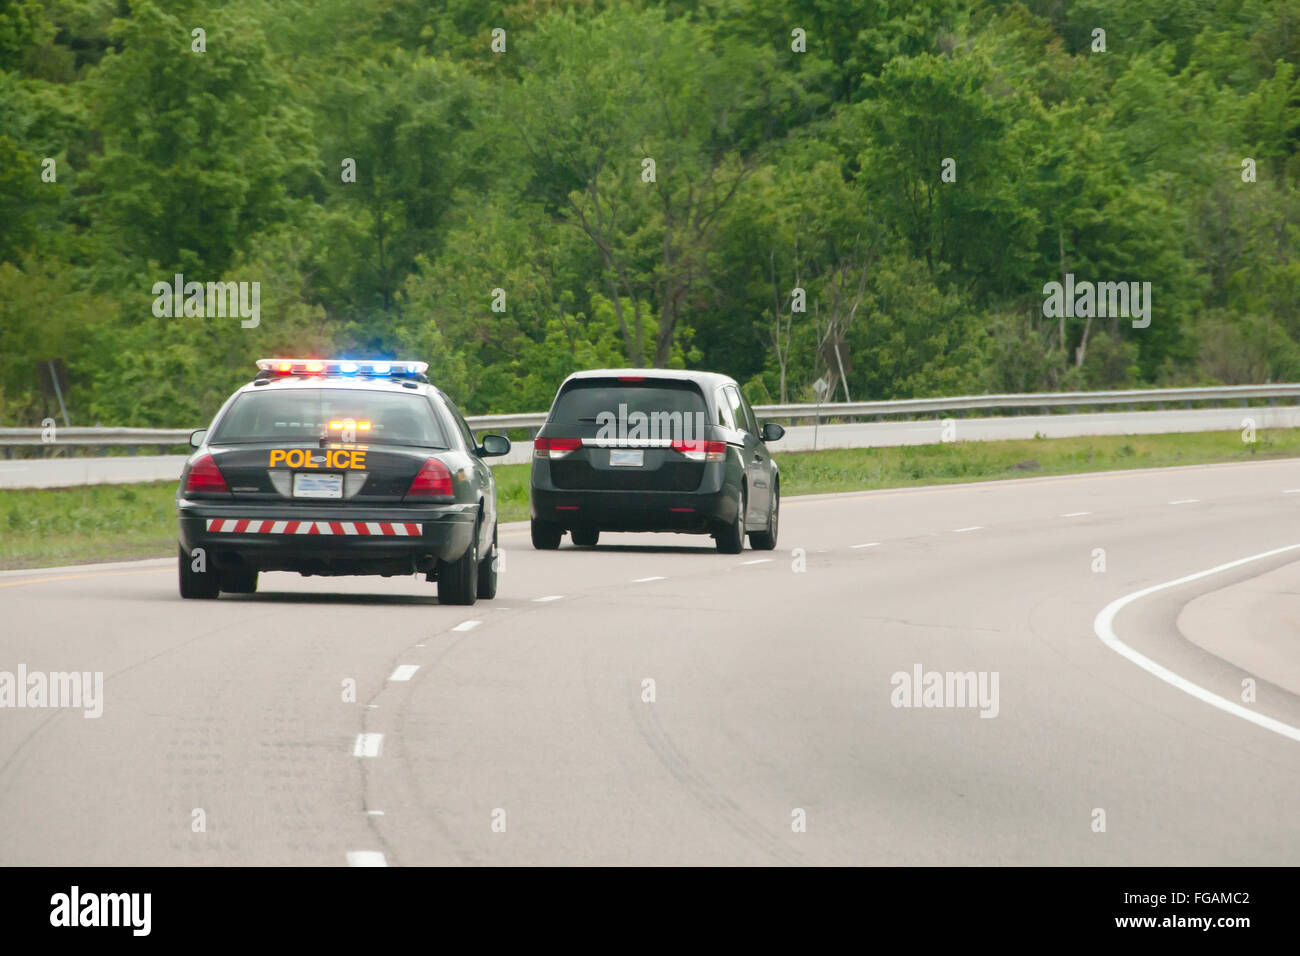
866 194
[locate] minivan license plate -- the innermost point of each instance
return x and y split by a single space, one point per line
626 457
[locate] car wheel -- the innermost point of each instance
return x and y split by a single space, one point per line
731 539
766 540
242 581
546 536
487 571
585 537
195 584
458 580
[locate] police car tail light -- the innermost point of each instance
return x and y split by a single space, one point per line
206 476
697 450
433 481
555 447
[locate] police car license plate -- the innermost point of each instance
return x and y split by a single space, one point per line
626 457
318 486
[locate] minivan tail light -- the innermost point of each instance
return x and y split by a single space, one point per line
206 476
699 450
433 481
555 447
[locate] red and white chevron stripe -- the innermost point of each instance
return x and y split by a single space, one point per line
256 526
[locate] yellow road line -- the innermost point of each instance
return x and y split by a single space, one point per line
73 577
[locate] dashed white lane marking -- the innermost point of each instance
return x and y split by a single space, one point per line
404 672
1292 491
657 577
869 544
757 561
974 527
1185 501
549 597
366 858
466 625
374 813
1075 514
368 745
373 706
421 645
1104 626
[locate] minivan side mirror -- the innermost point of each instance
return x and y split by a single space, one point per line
494 445
772 432
197 436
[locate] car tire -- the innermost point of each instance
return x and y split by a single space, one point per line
766 540
546 536
731 539
487 571
195 584
458 580
242 581
585 537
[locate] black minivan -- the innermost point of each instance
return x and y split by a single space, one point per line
654 450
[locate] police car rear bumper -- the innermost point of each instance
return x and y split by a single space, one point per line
325 540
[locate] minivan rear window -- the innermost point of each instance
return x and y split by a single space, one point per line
583 402
378 418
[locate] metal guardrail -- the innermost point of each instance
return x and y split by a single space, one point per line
810 413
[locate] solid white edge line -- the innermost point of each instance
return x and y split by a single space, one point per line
404 672
366 858
368 745
1103 625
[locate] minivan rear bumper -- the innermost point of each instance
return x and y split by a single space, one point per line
692 512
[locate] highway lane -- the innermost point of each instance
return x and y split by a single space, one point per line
772 696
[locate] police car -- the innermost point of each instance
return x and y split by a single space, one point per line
339 467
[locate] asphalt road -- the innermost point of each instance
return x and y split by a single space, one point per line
772 695
69 472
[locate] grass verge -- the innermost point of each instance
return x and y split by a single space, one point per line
46 527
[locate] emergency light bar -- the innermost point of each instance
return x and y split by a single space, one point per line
375 368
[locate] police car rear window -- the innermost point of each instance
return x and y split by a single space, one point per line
584 401
343 414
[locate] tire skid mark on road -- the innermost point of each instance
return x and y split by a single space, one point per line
702 790
55 714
